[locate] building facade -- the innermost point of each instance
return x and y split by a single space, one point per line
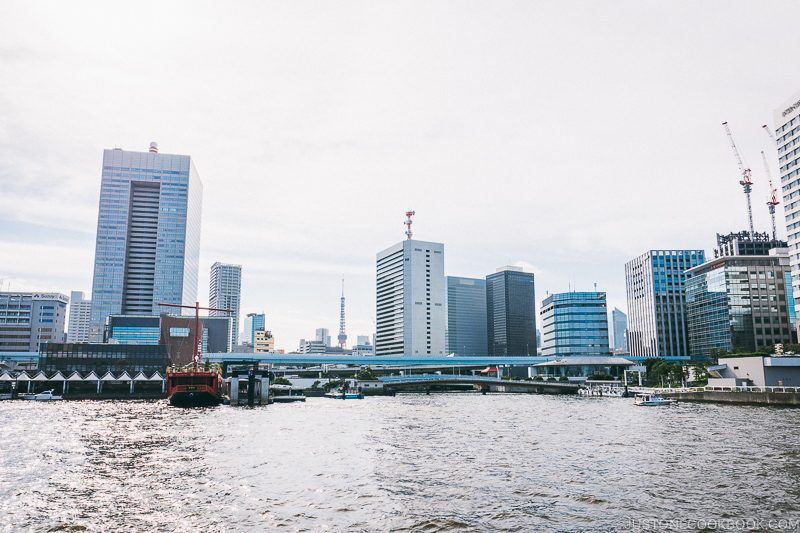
410 299
80 317
28 319
225 292
102 358
263 342
323 335
656 302
787 136
742 243
510 312
575 323
619 324
739 304
466 316
252 323
148 234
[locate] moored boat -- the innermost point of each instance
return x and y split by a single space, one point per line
194 387
652 400
45 396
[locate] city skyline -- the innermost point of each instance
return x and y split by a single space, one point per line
525 139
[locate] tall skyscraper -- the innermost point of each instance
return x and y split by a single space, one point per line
575 323
323 335
225 292
80 317
511 312
466 316
410 299
28 319
657 302
252 323
342 337
739 303
148 234
619 322
787 136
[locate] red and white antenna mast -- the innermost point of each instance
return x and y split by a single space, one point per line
408 223
773 198
745 182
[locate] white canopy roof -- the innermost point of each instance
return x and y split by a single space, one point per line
108 377
91 377
41 376
140 377
5 376
156 377
23 376
75 376
58 376
124 376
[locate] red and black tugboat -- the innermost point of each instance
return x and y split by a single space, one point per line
193 385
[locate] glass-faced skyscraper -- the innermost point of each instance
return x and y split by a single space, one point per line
619 322
225 292
148 234
575 323
511 312
466 316
657 302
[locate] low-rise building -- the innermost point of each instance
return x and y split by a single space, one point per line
578 368
263 341
756 371
102 357
28 319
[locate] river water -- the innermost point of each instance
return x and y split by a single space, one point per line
444 462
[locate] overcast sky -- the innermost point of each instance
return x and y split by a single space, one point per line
568 137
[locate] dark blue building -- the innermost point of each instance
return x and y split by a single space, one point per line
511 312
466 316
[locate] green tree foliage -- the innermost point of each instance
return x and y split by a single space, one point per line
281 381
366 374
661 373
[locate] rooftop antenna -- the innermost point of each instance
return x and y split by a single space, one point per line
745 181
773 198
342 335
410 213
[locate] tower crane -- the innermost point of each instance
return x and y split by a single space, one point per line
773 195
746 182
768 132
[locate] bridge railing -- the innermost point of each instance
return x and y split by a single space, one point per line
422 378
668 390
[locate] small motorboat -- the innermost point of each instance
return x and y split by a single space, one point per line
45 396
652 400
286 394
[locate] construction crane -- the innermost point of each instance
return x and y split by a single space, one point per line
773 198
745 181
768 132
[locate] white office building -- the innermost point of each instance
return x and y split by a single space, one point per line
80 317
787 136
323 335
225 292
411 316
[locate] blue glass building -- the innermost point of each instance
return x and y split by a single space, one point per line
657 302
575 323
252 323
466 316
511 312
148 235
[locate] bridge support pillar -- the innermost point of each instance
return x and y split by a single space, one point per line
233 390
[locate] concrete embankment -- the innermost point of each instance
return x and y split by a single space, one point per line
788 399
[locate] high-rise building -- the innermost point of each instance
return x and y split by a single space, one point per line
739 303
323 335
511 312
80 317
657 302
252 323
410 299
575 323
787 136
225 292
619 323
466 316
27 319
743 243
148 234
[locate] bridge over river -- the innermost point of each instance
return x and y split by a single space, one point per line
488 384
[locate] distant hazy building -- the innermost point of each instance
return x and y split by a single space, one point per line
323 335
410 299
739 303
225 292
787 136
148 234
27 319
466 316
252 323
362 339
263 342
619 323
575 323
312 347
363 349
657 303
511 312
80 317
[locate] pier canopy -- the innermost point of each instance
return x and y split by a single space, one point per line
583 367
